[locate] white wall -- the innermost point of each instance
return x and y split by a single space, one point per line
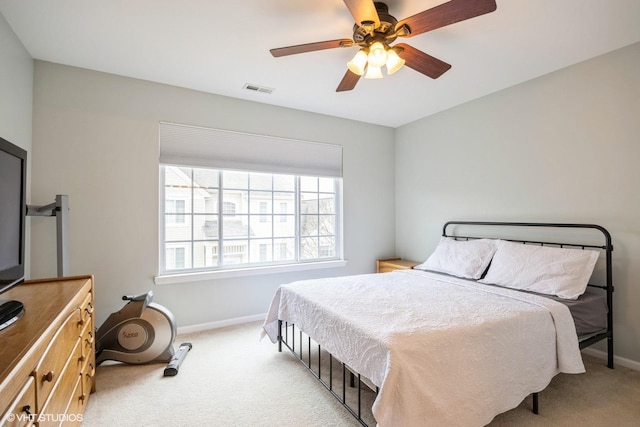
16 87
564 147
95 138
16 99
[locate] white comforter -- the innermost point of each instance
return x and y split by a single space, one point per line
444 351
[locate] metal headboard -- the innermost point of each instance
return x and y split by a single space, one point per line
607 247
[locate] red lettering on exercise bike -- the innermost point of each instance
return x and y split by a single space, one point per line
126 334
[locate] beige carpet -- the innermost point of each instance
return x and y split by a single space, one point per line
232 378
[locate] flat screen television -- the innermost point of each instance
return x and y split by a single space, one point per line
13 181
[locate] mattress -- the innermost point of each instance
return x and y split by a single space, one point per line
589 311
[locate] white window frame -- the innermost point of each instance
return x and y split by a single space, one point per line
196 274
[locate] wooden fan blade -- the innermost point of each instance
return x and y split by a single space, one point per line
446 14
310 47
348 82
363 11
421 62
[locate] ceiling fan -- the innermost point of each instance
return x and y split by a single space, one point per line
375 29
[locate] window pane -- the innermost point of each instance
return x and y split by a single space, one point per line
327 185
235 252
308 183
205 201
177 177
327 204
175 256
259 201
284 249
284 182
284 226
308 225
205 254
234 201
260 181
261 226
205 227
308 203
309 248
284 203
177 227
206 178
235 226
233 179
327 247
261 251
327 225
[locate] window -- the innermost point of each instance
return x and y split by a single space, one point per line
222 219
232 200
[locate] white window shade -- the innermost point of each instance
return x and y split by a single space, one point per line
202 147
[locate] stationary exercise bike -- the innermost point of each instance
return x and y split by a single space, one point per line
141 332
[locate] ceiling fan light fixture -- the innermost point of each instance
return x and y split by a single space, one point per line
377 54
394 62
359 62
373 72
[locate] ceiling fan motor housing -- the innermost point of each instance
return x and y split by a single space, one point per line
365 34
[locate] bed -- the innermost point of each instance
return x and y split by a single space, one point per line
484 322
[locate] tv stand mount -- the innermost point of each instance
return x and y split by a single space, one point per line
59 209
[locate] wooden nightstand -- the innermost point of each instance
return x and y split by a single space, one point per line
386 265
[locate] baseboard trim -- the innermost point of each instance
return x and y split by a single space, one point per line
220 324
617 360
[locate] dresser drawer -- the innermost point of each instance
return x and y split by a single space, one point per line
62 394
21 412
56 356
86 309
77 405
87 366
87 339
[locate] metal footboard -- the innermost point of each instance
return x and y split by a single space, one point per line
355 398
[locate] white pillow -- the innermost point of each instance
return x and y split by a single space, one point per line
461 258
542 269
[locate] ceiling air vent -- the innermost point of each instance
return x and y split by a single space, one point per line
258 88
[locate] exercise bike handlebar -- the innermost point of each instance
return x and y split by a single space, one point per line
146 296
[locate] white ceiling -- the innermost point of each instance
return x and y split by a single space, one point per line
218 46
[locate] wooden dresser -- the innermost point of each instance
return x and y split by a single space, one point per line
47 357
386 265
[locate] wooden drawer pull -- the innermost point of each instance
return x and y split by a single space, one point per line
27 409
48 376
89 309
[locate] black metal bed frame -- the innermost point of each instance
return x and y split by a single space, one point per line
607 247
341 394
